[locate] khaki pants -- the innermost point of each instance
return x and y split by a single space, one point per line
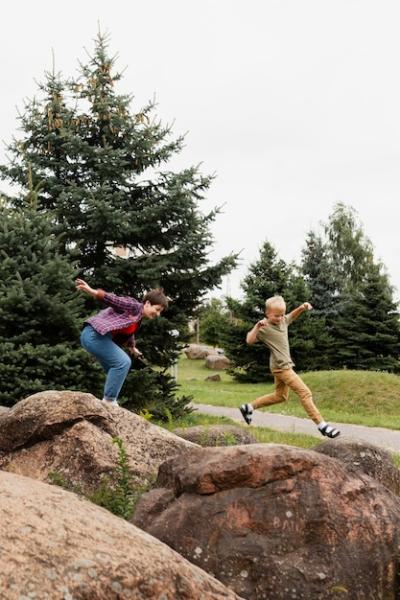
285 380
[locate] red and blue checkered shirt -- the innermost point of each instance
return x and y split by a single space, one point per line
122 311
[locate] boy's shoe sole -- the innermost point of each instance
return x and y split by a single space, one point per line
245 414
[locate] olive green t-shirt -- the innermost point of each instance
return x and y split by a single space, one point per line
275 337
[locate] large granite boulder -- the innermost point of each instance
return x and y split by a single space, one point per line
217 362
358 455
216 435
57 546
71 434
272 521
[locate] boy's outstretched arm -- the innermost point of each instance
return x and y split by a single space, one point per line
299 310
251 337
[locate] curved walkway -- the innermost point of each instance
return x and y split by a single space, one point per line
388 438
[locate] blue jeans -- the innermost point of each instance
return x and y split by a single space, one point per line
115 362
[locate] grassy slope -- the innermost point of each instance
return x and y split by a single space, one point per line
262 434
362 397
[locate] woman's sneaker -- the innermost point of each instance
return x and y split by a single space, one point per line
329 431
247 412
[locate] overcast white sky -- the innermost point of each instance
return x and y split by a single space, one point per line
294 104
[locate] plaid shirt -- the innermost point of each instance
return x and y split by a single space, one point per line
122 311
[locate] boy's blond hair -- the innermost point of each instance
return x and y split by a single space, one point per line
276 301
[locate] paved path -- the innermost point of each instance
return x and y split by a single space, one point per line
389 438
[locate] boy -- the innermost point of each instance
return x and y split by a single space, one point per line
273 332
114 326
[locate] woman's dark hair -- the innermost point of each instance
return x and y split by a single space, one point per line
157 296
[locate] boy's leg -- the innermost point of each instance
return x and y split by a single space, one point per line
115 362
279 395
295 383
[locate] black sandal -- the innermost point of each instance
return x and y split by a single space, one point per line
246 413
329 431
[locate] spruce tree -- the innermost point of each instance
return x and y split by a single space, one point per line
105 182
97 164
213 318
347 289
307 335
350 251
318 272
39 311
266 277
367 331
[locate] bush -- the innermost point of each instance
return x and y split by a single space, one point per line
214 319
26 369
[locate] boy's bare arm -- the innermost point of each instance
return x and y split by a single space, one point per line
299 310
251 337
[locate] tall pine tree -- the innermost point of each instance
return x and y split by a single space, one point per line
350 251
351 295
39 311
318 272
105 182
317 269
308 337
213 320
366 333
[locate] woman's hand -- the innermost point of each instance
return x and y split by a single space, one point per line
82 286
135 352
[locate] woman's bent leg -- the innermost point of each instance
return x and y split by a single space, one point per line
115 362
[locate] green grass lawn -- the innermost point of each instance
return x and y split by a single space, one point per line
262 434
362 397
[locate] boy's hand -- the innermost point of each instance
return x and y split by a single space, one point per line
251 337
307 306
262 323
